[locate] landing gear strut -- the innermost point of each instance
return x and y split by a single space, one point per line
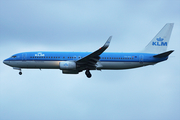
88 74
20 73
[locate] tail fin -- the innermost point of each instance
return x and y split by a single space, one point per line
160 42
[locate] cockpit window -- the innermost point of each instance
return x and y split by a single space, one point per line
13 57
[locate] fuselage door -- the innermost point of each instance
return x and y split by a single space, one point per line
141 58
24 56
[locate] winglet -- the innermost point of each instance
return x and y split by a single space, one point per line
108 42
91 59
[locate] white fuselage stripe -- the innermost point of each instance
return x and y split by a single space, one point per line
55 64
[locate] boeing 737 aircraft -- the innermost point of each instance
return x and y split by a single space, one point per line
75 62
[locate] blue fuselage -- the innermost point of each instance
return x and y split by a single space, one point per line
108 60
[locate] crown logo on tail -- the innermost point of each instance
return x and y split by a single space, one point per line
159 39
159 42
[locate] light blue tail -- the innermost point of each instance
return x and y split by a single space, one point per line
160 42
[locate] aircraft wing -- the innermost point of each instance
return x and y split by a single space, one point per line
89 61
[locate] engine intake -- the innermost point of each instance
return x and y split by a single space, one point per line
67 65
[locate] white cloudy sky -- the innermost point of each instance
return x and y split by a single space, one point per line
148 93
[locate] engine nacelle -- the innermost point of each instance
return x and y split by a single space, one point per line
67 65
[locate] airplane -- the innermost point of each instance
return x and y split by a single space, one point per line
75 62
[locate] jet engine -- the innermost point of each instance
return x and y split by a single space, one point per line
67 65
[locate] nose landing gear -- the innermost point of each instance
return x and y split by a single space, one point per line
16 68
88 74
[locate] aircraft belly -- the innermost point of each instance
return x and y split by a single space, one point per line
123 65
37 64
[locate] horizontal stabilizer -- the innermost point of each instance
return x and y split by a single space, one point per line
165 54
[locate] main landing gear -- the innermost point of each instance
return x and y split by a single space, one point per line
20 73
88 74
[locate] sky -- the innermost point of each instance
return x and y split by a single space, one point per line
146 93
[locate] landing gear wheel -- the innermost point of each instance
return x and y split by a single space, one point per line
88 74
20 73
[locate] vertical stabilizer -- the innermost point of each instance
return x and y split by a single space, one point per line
160 42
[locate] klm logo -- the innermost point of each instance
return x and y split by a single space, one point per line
66 65
159 42
39 54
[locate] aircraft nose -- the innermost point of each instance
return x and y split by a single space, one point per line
5 62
